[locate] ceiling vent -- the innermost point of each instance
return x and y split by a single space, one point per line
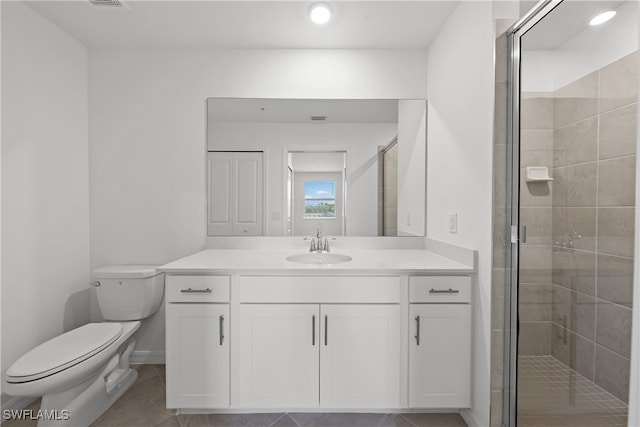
109 4
318 118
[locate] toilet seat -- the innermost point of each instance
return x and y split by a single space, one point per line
63 352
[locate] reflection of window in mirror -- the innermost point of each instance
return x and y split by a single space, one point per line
319 199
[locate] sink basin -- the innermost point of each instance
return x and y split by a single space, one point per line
319 258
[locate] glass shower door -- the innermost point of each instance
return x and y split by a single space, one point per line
576 164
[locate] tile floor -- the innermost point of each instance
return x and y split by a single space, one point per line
143 405
550 394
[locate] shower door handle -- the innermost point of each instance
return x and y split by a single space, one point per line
518 234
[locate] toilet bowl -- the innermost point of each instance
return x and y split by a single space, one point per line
81 373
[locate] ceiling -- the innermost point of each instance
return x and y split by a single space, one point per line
236 110
568 20
249 24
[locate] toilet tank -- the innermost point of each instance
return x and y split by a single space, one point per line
128 292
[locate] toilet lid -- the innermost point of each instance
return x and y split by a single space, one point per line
63 351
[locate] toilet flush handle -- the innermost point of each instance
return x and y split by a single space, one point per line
96 283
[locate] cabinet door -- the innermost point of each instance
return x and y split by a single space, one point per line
440 356
360 356
279 355
197 356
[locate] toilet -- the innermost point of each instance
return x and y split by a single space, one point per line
81 373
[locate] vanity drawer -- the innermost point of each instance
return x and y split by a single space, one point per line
319 289
435 289
198 288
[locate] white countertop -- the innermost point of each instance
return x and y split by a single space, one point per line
270 262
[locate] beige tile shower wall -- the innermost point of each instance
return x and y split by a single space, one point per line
536 201
499 223
594 134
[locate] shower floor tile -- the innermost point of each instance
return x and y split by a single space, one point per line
550 394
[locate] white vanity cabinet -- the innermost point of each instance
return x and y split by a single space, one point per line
301 349
197 341
440 342
248 338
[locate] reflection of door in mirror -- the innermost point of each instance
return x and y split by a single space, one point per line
317 199
388 189
235 193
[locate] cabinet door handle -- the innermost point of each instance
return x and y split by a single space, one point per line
196 291
417 337
326 329
221 323
443 291
313 330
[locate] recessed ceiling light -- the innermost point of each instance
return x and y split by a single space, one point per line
320 13
602 18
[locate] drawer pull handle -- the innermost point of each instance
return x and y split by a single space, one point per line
221 322
443 291
417 337
196 291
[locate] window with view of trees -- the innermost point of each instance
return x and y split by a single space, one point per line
319 199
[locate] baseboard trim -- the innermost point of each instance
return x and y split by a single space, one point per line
286 410
152 357
470 418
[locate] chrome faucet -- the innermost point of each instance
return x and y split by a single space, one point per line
319 240
317 244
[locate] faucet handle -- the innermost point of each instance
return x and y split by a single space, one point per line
326 243
313 243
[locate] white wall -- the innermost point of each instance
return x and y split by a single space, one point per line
360 140
459 162
147 134
1 322
412 129
45 189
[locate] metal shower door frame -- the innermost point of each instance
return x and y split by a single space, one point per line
514 232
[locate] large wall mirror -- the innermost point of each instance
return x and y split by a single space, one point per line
287 167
